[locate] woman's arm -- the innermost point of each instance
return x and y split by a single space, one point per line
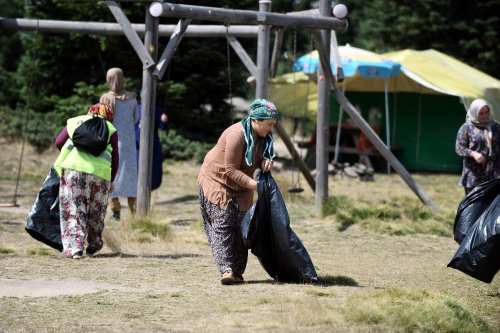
115 156
235 149
462 142
61 138
462 145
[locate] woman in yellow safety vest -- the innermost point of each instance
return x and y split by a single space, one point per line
86 180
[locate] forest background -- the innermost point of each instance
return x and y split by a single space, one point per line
47 77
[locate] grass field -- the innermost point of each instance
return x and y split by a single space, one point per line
380 255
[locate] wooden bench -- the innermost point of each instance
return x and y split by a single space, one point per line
349 143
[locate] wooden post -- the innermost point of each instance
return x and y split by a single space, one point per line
246 16
130 33
323 121
168 53
262 53
243 55
278 42
148 98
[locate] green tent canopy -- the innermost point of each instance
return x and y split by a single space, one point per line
427 103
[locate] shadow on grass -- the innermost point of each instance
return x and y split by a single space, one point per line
344 225
185 198
325 281
184 222
339 280
153 256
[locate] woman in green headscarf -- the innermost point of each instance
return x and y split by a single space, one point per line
226 185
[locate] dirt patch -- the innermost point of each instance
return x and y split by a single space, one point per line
37 287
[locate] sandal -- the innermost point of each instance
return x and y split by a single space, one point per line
227 277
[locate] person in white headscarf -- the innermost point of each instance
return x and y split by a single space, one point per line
478 143
124 105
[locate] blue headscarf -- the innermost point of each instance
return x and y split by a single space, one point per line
260 109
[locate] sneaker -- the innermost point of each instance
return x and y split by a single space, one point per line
227 277
78 255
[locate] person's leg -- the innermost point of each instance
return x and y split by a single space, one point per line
96 213
222 228
115 208
238 251
73 209
132 202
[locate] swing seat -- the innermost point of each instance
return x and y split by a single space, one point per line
295 189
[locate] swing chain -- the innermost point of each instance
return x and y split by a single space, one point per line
295 187
33 66
228 51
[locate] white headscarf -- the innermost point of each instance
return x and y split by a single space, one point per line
471 118
473 113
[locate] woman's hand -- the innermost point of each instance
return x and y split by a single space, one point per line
478 157
267 165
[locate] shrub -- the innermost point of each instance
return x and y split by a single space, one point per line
177 147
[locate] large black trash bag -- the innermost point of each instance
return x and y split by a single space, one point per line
477 230
266 231
44 219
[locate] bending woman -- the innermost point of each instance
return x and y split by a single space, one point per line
226 185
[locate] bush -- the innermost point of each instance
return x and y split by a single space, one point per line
177 147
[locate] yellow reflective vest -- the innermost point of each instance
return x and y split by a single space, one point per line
74 159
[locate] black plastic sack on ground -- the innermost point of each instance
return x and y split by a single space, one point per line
477 230
266 231
44 219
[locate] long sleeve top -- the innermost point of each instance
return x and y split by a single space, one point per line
225 175
471 138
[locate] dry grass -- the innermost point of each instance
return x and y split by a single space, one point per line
151 281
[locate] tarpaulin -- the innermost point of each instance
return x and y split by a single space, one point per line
266 231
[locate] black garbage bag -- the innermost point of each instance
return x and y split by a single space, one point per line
266 231
44 219
477 230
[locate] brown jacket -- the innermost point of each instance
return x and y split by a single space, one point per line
225 174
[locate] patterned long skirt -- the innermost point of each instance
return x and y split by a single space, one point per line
83 200
222 228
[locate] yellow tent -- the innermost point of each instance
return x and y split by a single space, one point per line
428 102
443 74
295 95
424 72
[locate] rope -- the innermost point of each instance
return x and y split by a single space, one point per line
295 187
230 85
27 111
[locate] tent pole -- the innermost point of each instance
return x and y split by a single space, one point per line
387 123
339 129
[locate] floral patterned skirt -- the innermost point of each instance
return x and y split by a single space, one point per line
83 200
